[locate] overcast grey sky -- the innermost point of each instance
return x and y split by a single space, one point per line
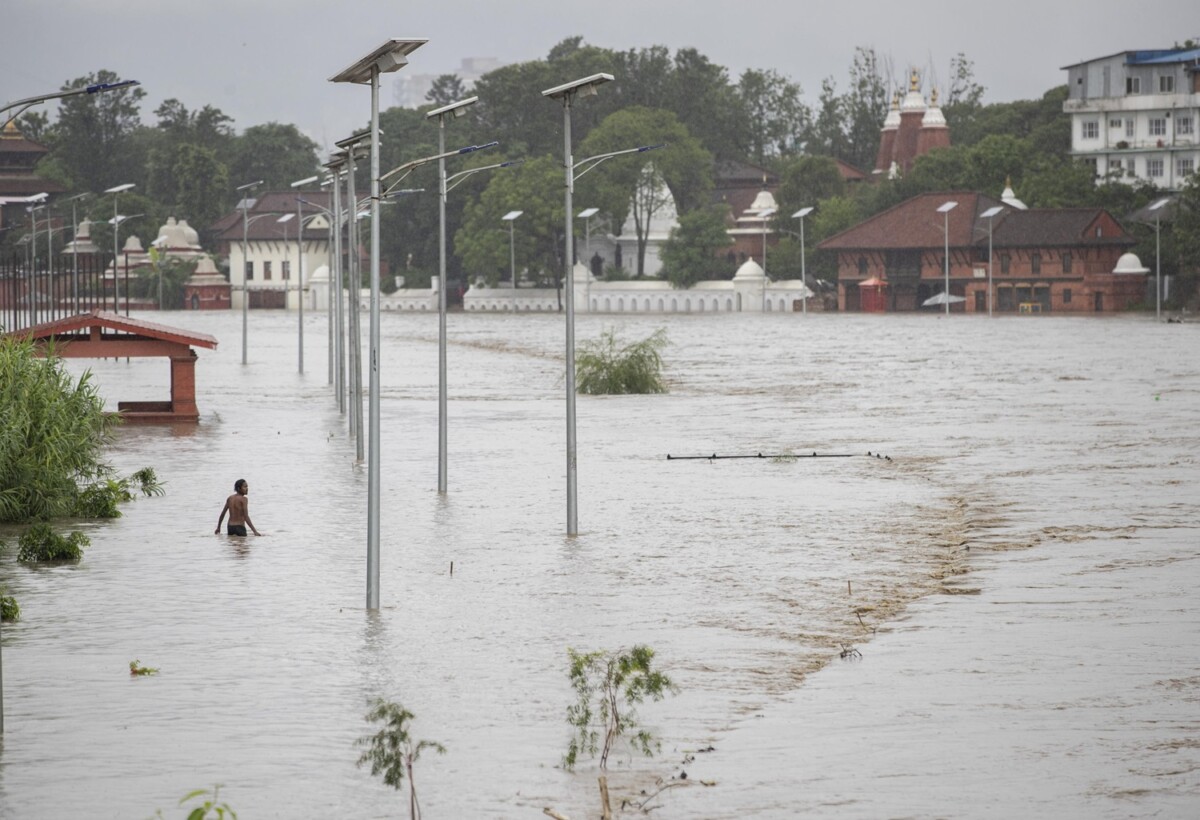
270 60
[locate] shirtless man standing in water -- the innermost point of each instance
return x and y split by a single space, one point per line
238 507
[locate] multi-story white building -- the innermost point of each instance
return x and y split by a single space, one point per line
1135 115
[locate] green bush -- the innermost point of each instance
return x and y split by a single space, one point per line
53 432
603 367
40 543
9 609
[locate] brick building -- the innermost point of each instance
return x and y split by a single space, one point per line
910 130
1048 259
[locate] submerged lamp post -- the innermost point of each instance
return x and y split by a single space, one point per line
75 251
566 94
300 271
391 56
1156 208
990 215
764 215
453 110
944 209
510 218
244 205
800 214
116 192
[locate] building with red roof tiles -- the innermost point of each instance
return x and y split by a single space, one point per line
1042 259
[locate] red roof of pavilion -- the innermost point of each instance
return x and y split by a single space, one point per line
115 321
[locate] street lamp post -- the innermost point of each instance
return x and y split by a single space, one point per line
455 109
565 94
300 271
391 56
244 205
764 215
75 251
944 209
800 214
1156 209
990 215
116 192
586 215
510 218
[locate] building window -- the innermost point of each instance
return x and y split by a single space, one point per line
1154 167
1035 263
1166 84
862 266
1114 123
1131 169
1185 168
1158 127
1005 260
1091 130
285 269
1066 296
1067 261
1129 129
1115 167
1183 125
249 271
1133 85
267 270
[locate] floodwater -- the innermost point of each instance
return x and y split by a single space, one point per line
1016 582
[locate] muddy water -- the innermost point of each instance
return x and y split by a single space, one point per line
1033 463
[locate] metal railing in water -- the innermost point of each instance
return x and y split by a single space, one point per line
34 292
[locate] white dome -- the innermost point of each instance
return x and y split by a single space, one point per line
763 201
892 121
189 234
133 245
1129 263
321 274
749 270
170 235
913 101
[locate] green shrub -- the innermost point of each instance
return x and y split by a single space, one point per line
603 367
40 543
100 499
9 609
608 685
392 751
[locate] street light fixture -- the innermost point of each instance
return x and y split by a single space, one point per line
990 215
944 209
244 205
391 56
28 102
566 94
800 214
1156 209
453 110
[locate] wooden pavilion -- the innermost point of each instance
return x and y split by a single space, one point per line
104 335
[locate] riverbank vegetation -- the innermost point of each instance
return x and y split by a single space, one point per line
605 366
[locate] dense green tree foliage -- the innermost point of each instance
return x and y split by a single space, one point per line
690 253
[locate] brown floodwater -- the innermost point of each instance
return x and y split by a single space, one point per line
1008 569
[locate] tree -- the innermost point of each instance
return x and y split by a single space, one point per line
806 181
608 685
1185 234
775 117
483 241
203 184
275 153
94 132
826 134
392 751
605 367
864 106
633 185
446 88
690 253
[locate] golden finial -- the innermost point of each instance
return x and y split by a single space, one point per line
896 98
914 82
933 97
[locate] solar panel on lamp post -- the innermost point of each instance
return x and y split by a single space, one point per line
944 209
391 56
990 216
800 214
1156 209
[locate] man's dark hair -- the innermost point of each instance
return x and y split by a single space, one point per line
237 484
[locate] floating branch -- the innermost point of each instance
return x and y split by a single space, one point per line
780 456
